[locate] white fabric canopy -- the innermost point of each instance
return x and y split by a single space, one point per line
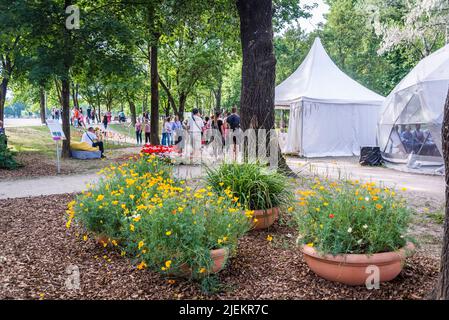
418 99
330 113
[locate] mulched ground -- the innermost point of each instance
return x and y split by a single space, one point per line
34 165
39 165
36 249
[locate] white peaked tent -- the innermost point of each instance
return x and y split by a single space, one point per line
417 100
330 113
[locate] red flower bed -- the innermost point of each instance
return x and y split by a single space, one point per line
151 149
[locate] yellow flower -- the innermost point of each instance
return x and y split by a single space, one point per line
167 265
100 197
137 218
269 238
141 243
290 209
131 227
202 270
310 244
221 184
115 202
114 242
85 237
379 206
141 265
131 196
168 233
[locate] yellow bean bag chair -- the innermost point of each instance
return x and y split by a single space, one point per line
82 146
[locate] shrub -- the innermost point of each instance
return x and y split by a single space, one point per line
257 187
348 217
178 233
7 157
157 220
103 208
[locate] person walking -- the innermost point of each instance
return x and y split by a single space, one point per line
147 129
105 122
139 132
166 132
195 126
233 123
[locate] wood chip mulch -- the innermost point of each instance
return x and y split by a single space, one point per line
37 253
34 165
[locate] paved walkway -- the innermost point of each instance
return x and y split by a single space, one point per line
333 168
70 183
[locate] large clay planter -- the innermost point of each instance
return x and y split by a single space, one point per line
265 218
351 269
219 259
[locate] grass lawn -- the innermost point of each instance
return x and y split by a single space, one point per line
37 139
123 129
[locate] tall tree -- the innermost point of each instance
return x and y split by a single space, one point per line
442 289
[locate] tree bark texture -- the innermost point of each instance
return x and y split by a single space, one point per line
442 289
42 105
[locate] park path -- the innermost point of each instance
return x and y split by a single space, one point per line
44 186
333 168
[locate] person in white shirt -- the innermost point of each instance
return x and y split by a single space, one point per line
195 126
91 138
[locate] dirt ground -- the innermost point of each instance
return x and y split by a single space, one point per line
38 253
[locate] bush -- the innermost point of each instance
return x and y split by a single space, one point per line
349 217
7 157
158 221
103 208
257 187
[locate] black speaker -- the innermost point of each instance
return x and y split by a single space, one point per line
370 156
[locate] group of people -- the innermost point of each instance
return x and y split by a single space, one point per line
197 129
417 141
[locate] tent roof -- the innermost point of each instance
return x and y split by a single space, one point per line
319 79
434 67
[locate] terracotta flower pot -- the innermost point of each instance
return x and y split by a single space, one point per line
219 259
265 218
351 269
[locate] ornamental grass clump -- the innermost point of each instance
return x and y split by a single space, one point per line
257 187
347 217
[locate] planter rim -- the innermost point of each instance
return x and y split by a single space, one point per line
265 211
376 258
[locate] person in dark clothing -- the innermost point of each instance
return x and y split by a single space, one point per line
105 121
233 121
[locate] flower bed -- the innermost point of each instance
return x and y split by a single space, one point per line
157 221
159 149
346 226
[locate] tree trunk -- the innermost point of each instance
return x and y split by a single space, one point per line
258 68
182 106
259 63
65 94
42 105
3 90
154 124
132 109
442 289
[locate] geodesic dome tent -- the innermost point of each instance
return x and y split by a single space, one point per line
412 115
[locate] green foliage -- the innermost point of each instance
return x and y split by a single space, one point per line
157 220
7 160
348 217
258 188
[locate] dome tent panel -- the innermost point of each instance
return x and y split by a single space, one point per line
410 123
